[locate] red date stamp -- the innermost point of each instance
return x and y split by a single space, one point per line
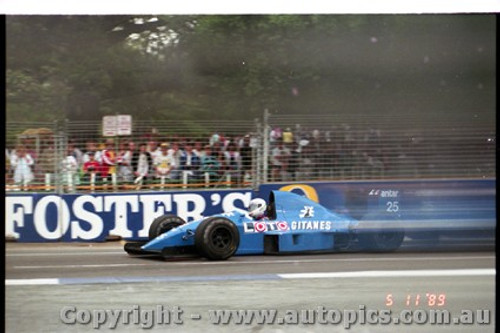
416 299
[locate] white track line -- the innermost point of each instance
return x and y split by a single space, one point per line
58 254
83 266
31 282
331 275
254 262
376 274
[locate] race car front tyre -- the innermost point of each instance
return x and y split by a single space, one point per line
217 238
164 223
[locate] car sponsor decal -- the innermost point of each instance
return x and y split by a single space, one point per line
260 226
308 211
282 225
311 225
384 193
263 226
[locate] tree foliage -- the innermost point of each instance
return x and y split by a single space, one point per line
234 66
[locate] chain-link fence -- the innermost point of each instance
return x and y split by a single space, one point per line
358 147
76 157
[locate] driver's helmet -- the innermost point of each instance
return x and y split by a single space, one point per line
257 208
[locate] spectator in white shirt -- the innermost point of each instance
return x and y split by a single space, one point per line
22 163
164 162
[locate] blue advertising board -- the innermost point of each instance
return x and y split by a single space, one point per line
445 205
93 217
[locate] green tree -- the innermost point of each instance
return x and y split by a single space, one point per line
235 66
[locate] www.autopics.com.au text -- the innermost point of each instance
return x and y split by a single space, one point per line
175 315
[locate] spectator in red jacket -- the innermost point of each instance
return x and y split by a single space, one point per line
91 166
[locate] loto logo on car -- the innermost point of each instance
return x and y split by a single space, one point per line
262 226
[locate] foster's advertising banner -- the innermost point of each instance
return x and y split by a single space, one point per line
460 204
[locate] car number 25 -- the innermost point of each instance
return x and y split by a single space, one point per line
392 206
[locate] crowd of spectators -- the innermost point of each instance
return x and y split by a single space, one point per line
294 153
337 152
142 162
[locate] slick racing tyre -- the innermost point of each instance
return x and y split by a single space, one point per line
164 223
382 241
383 233
217 238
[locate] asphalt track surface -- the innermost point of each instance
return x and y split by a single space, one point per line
50 284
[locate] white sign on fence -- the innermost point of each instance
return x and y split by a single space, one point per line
117 125
124 124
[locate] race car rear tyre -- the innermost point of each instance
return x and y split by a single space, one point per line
217 238
381 232
382 241
164 223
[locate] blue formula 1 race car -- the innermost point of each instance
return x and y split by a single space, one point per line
292 224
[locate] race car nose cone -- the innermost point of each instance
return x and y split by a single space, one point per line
180 236
156 244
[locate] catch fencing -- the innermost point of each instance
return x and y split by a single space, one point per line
75 157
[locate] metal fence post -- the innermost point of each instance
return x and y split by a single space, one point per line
256 157
265 143
60 143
